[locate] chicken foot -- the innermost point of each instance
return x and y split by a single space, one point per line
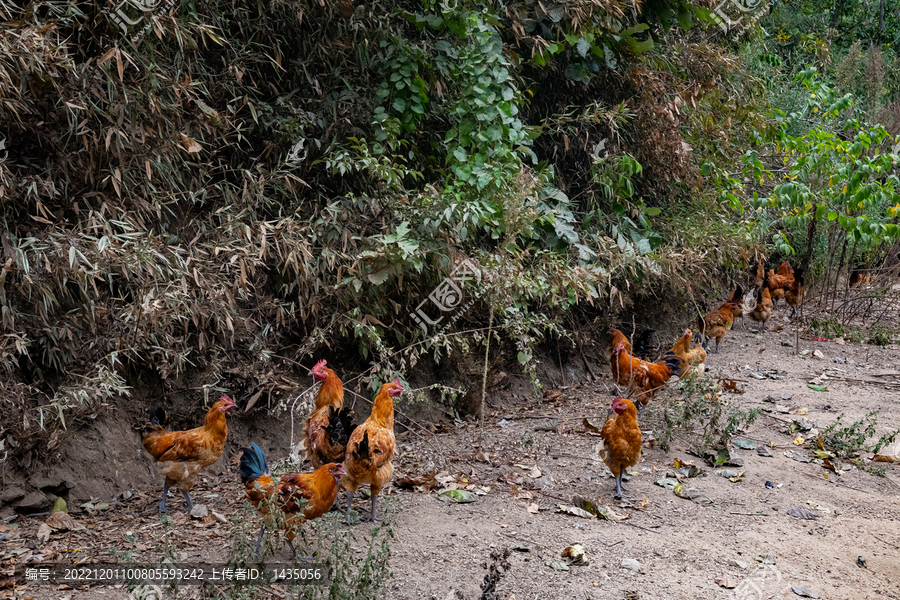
258 546
165 494
373 516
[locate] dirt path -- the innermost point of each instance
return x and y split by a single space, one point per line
683 547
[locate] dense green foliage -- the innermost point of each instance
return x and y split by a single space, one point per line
200 189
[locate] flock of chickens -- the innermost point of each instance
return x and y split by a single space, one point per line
641 379
345 456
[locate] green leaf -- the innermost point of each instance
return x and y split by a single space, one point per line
458 496
653 211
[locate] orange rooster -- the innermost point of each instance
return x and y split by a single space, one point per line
317 490
180 455
689 358
328 428
621 447
371 448
639 376
793 293
717 323
777 283
763 309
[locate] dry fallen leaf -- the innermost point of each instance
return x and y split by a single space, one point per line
725 582
533 508
190 145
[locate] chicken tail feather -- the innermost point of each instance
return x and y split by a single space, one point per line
157 420
672 361
253 463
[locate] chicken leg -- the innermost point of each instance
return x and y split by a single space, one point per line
349 504
188 498
373 516
258 545
620 491
162 503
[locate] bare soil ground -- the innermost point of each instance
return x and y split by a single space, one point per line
530 459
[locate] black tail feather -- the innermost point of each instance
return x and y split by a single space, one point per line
362 449
672 361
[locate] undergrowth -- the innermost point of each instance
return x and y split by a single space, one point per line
848 440
698 414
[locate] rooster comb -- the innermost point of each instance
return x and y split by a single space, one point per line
319 365
226 398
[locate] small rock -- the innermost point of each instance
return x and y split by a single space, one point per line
787 344
804 592
739 564
770 398
33 502
764 451
631 564
11 494
804 353
818 354
220 517
199 511
861 563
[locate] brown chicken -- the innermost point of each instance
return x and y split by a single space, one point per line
717 323
328 428
777 283
737 297
764 306
642 378
793 293
858 276
689 358
180 455
621 446
759 275
371 448
618 336
301 497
